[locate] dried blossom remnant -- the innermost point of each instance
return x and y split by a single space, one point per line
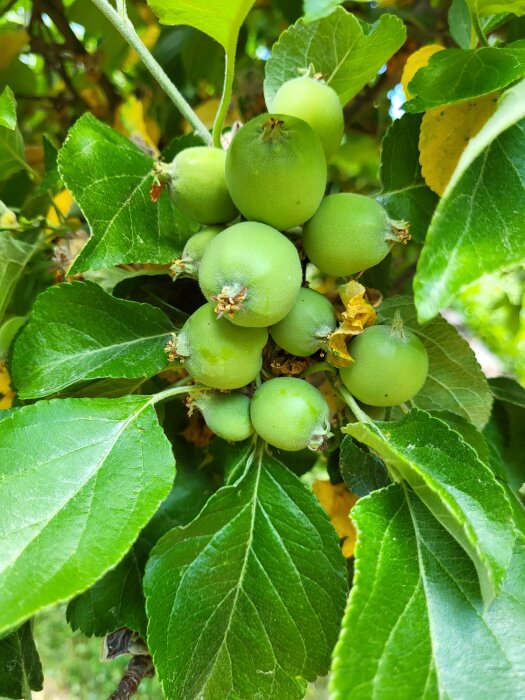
358 314
7 394
196 431
171 349
229 301
338 501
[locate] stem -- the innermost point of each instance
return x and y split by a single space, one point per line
478 29
352 403
229 66
175 391
121 9
125 28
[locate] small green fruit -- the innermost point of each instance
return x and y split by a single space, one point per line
189 262
390 365
199 185
317 104
307 325
217 353
276 170
349 233
290 414
253 272
227 415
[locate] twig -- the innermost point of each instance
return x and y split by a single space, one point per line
138 668
126 29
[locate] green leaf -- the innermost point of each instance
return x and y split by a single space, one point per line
455 381
494 7
222 21
79 478
8 109
459 23
362 471
456 486
404 193
20 667
12 154
415 625
478 224
357 52
470 434
110 179
117 599
315 9
476 72
246 601
507 390
77 332
14 256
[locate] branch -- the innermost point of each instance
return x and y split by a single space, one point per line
138 668
126 29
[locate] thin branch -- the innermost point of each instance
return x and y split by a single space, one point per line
229 66
138 668
126 29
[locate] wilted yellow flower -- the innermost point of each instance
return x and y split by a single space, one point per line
358 314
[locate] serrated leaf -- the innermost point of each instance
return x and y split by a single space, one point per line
494 7
362 471
110 179
117 599
455 381
76 331
11 152
245 602
414 62
20 667
469 433
14 256
357 52
456 486
415 625
476 72
79 478
8 109
221 21
478 225
404 193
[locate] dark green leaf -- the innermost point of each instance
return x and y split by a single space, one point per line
245 602
478 224
357 52
79 479
14 256
20 667
476 72
404 193
470 434
507 390
455 381
77 331
110 179
415 625
457 487
362 471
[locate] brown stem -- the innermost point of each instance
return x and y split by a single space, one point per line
138 668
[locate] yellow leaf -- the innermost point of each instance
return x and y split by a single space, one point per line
358 314
63 201
416 61
12 45
131 121
445 133
338 501
206 112
7 394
